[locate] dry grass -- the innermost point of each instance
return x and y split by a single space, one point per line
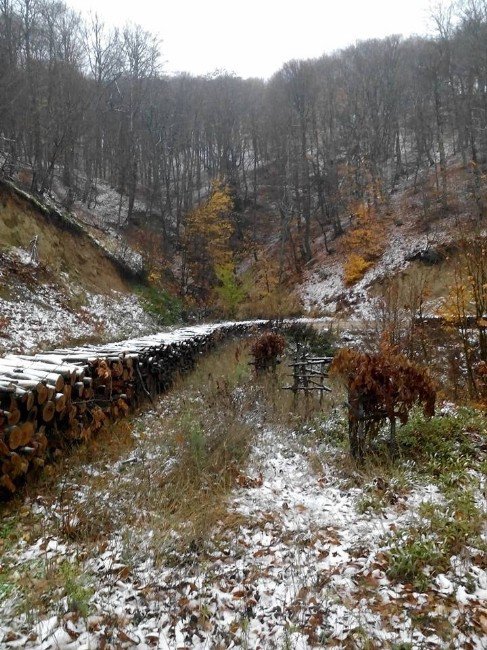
168 471
174 464
158 482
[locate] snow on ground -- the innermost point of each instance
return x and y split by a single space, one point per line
42 320
323 287
302 569
37 315
108 204
108 207
117 247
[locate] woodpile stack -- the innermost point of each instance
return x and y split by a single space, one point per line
50 400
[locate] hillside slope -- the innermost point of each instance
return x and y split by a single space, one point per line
72 289
415 247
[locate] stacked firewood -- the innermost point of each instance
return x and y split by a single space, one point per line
50 400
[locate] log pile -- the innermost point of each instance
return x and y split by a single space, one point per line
50 400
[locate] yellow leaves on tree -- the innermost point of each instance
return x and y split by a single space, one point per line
456 306
230 291
208 229
363 243
207 240
468 294
355 268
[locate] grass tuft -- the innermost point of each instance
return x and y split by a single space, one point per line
425 549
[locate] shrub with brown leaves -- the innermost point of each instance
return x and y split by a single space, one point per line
266 350
382 386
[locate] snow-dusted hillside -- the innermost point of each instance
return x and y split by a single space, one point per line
408 236
72 288
36 314
324 288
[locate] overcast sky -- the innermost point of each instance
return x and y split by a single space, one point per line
253 38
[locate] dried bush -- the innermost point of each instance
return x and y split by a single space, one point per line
465 308
4 324
266 349
381 387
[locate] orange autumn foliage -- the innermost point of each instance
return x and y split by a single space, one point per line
355 268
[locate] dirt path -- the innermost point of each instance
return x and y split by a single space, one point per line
294 562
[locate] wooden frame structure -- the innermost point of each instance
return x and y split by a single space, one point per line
308 373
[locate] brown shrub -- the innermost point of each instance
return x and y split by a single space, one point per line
266 350
382 386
